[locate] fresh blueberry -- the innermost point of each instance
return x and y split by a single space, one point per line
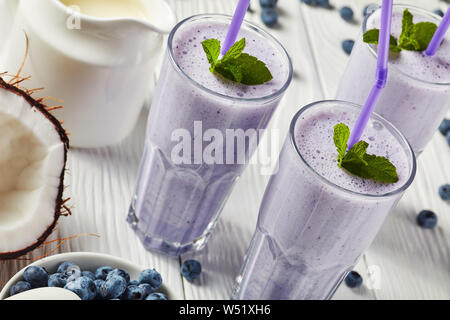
62 268
73 272
353 279
323 3
113 287
19 287
133 283
102 272
369 9
268 3
82 287
269 16
134 293
156 296
147 288
445 126
439 12
152 277
346 13
427 219
120 273
36 276
444 192
309 2
447 137
88 274
57 280
191 269
98 284
347 46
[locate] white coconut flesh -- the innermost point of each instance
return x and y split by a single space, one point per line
32 159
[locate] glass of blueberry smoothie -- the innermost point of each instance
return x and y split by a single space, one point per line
321 210
182 184
417 94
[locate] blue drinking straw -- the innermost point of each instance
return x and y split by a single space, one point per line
381 73
235 25
439 35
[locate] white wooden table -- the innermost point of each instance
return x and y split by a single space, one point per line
410 262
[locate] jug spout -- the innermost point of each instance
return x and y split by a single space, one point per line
162 18
154 15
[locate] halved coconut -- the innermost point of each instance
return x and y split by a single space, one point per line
33 153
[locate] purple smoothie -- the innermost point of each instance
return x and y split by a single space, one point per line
417 94
316 219
176 205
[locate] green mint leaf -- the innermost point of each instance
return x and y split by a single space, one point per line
340 138
372 167
372 36
358 162
244 69
355 157
415 37
406 39
254 71
235 65
356 166
229 71
359 149
212 50
407 24
381 169
423 32
235 51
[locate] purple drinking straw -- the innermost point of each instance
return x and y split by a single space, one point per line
439 35
381 73
235 25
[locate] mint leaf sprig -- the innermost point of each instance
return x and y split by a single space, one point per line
414 36
235 65
358 162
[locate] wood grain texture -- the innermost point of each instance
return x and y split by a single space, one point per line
413 263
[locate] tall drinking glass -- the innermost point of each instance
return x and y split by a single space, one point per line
182 185
417 94
315 219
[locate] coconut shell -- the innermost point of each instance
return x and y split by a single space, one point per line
59 202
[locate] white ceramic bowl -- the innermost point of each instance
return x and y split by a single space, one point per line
86 261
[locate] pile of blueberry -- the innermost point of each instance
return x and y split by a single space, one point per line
105 284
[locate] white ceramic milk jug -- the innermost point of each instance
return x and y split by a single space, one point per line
102 66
